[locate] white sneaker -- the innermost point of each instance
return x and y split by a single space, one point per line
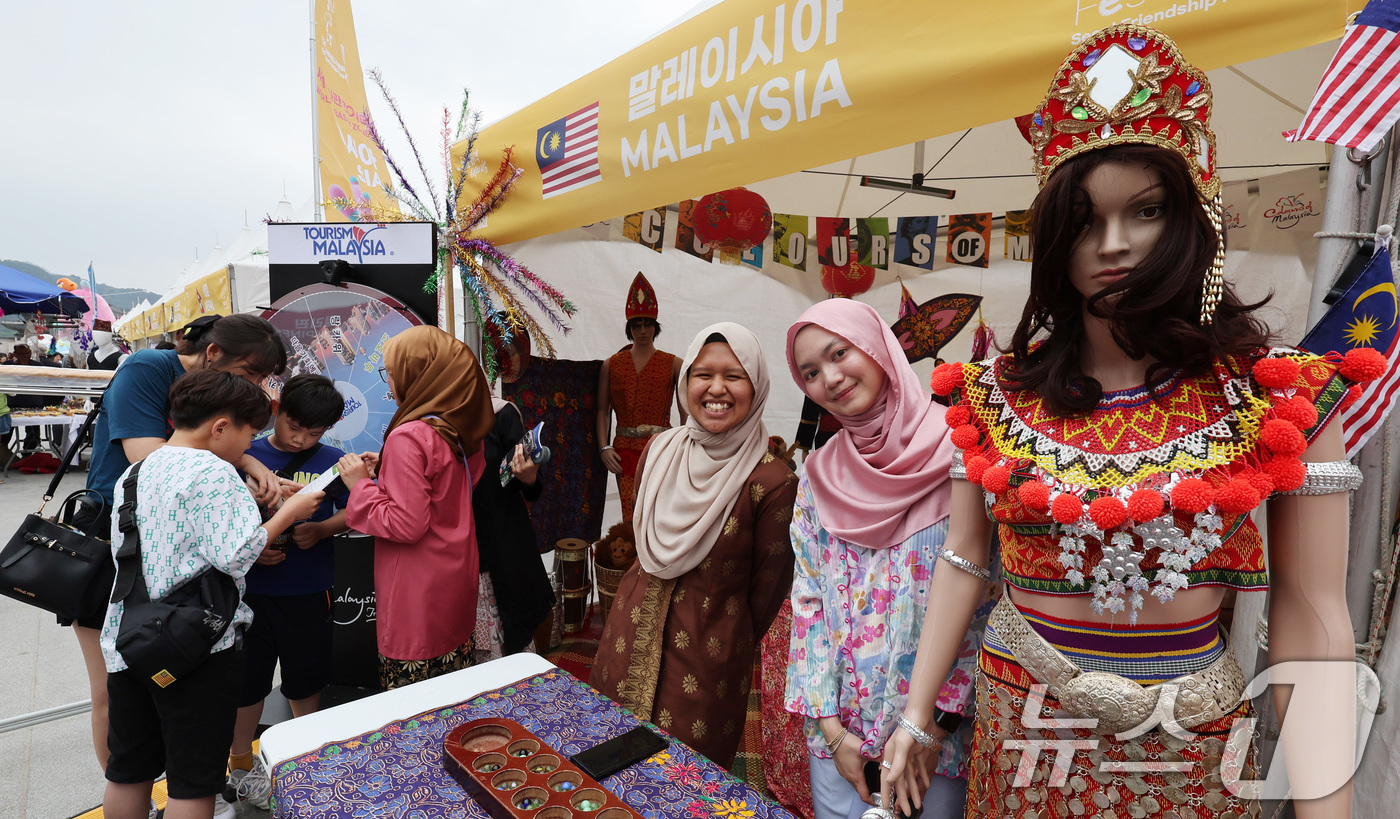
155 811
253 787
222 809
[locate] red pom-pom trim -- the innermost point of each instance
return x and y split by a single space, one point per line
1108 513
1299 412
1282 438
1237 497
1067 509
946 378
1353 395
957 416
1192 496
997 479
1363 364
1277 373
966 436
1145 505
975 466
1262 483
1288 473
1034 495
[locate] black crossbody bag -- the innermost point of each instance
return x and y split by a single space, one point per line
52 565
168 638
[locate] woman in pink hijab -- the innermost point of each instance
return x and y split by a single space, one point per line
869 524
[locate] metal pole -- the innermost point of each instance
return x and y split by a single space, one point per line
315 124
30 720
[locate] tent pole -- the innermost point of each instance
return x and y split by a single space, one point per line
317 216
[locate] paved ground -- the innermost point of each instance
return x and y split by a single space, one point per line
48 771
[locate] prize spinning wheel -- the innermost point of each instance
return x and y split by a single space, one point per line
340 332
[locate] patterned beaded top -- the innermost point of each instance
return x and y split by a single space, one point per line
1151 491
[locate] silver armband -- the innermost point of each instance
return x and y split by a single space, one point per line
1328 477
920 736
958 470
966 565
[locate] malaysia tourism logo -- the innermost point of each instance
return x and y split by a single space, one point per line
344 241
1289 210
1234 218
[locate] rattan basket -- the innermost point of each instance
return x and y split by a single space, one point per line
607 587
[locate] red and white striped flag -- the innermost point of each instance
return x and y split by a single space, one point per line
1359 97
566 151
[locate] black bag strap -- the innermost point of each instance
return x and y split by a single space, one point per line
298 461
131 581
72 451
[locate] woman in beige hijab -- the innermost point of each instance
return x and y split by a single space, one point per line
714 562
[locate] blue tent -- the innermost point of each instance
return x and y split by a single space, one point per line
22 293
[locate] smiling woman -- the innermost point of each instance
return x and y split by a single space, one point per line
714 564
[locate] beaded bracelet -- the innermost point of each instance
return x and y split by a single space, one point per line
832 745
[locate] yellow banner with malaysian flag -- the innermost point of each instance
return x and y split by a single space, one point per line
752 89
352 170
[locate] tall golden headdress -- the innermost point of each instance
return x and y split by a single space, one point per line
1129 84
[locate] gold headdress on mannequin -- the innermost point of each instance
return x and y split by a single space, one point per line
1129 84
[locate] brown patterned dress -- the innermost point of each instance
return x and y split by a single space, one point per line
681 652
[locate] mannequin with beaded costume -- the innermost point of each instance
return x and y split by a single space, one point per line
1140 416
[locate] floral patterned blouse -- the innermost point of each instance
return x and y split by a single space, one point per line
856 618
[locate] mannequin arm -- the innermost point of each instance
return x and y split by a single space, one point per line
1308 620
953 597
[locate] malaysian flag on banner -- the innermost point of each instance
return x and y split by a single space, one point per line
1359 97
1365 316
566 151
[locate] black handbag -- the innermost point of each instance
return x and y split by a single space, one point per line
168 638
51 564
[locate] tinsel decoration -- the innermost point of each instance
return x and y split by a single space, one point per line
499 290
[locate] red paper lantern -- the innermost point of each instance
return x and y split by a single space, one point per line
733 220
849 281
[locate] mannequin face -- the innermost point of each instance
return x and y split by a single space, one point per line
101 338
718 390
835 373
1128 218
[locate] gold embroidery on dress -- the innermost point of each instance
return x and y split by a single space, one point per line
638 691
682 639
689 684
730 526
756 492
698 729
712 647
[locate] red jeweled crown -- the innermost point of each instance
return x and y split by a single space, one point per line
1127 84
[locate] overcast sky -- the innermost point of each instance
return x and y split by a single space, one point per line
133 135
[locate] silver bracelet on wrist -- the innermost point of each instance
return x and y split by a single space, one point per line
605 449
965 564
920 736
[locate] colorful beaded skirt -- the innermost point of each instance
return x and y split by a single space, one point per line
1014 768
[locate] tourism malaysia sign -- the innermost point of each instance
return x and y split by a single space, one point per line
752 89
355 243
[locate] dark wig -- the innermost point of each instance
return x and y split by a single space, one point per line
239 337
1154 310
627 328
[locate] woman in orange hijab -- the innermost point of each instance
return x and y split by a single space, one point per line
419 509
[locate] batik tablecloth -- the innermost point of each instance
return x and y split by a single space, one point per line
397 771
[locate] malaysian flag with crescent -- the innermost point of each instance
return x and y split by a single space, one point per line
566 151
1366 315
1359 96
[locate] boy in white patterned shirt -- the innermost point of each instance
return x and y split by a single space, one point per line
192 512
